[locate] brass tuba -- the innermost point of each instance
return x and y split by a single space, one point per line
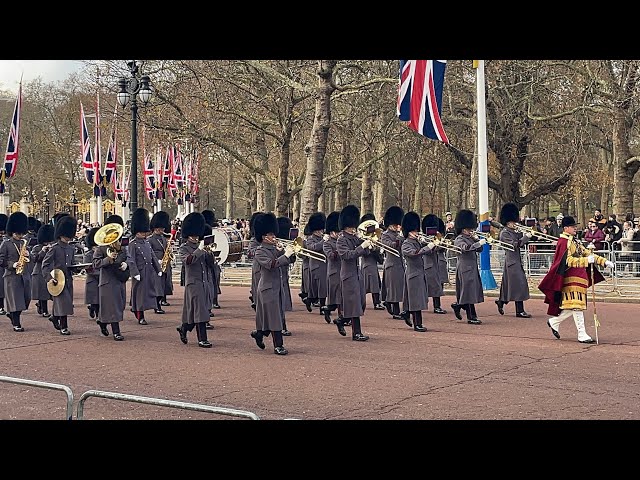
109 235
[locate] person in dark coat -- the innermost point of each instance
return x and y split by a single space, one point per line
197 294
3 236
317 291
435 262
39 290
211 220
253 245
369 267
334 287
284 225
514 286
92 280
60 256
210 277
32 233
468 282
111 262
160 227
416 294
351 248
306 278
269 296
17 286
393 267
144 267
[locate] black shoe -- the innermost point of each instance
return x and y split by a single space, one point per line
164 303
500 305
286 333
142 321
388 307
405 316
379 306
103 329
439 310
591 340
523 315
183 334
215 305
280 351
347 322
46 315
158 311
39 308
3 311
474 321
211 314
340 326
302 295
205 344
208 326
253 305
258 338
419 328
307 302
456 310
118 338
18 328
553 330
316 304
359 337
55 322
326 313
92 312
65 331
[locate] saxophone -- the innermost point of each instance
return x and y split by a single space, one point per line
24 258
167 258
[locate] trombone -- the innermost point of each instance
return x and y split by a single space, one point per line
438 240
300 250
498 243
535 233
370 230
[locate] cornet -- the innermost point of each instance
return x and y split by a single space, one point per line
300 250
370 230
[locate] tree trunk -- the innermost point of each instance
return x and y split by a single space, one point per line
418 188
295 211
252 203
229 202
321 203
623 173
283 195
381 187
366 194
340 193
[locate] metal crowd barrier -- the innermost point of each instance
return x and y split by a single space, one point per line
50 386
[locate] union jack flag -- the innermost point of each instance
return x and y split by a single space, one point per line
420 96
149 177
11 156
110 165
85 149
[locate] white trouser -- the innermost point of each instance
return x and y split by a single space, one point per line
578 318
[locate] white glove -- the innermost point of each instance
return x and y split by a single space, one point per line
431 245
160 273
326 237
288 251
123 266
591 258
528 235
482 241
366 244
201 245
609 264
137 277
15 264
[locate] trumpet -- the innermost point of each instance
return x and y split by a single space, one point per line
370 230
438 240
300 250
498 243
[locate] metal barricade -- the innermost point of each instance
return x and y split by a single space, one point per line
161 403
47 385
627 271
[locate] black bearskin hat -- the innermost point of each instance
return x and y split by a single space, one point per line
349 217
45 234
209 217
306 230
429 221
252 233
90 243
410 223
441 226
263 224
509 213
114 219
331 224
568 221
393 216
3 222
193 225
17 223
38 225
140 221
284 225
160 219
207 230
58 216
367 216
316 222
465 219
32 224
66 226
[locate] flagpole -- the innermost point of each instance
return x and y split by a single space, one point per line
99 161
488 282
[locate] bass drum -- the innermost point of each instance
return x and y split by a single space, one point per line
229 243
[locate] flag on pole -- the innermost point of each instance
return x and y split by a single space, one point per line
97 157
149 178
111 164
420 96
11 155
85 149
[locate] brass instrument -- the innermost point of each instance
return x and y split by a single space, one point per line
24 258
109 235
438 240
298 248
370 230
494 241
167 258
535 233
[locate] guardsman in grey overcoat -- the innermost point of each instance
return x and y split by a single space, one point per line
306 279
317 291
197 292
216 271
33 224
334 287
92 280
17 287
393 267
269 294
111 262
39 290
3 237
435 261
416 295
60 256
251 251
284 225
351 248
210 284
468 282
159 239
514 286
369 268
143 265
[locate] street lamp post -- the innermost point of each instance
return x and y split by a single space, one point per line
73 203
47 205
130 89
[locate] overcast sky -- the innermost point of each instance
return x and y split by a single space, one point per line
49 70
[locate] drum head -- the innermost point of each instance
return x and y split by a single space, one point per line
229 244
222 245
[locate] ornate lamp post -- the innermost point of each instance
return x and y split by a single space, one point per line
130 89
73 203
46 203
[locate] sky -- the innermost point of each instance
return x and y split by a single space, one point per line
49 70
